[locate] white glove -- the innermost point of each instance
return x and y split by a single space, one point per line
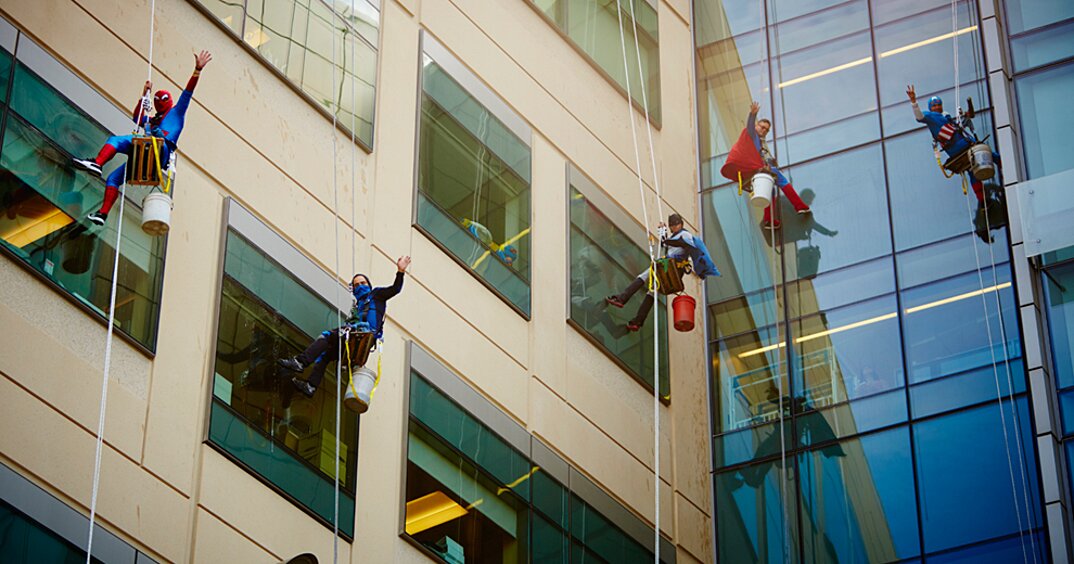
147 105
662 232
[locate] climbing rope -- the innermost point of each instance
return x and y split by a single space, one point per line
339 313
652 264
988 327
111 332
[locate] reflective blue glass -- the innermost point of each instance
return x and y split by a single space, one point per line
1025 15
967 490
757 514
1043 103
1059 287
853 498
1042 47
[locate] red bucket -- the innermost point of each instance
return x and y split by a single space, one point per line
683 308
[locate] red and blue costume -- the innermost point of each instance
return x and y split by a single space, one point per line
952 138
749 156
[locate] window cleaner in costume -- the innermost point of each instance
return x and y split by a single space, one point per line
750 155
681 245
947 133
167 124
367 316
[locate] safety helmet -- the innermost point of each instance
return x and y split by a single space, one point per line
935 100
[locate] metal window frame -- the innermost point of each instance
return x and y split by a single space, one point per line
63 520
235 217
444 379
491 101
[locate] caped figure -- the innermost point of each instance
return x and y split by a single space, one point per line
367 316
166 124
750 155
681 244
947 133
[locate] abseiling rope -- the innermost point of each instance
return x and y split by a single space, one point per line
339 313
111 330
652 274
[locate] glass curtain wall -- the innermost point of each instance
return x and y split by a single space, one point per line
44 200
859 352
258 418
296 38
603 261
473 194
592 26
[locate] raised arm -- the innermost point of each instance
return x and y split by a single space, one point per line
913 103
137 114
389 292
751 120
200 60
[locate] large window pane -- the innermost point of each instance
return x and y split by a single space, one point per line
1043 99
23 540
474 186
604 260
967 490
593 27
43 199
1025 15
596 536
1042 47
853 499
258 417
745 369
297 37
1059 283
757 514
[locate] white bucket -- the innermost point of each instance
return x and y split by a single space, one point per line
360 390
156 213
762 184
981 162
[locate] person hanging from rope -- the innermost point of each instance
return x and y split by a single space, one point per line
947 133
750 155
166 124
367 316
681 244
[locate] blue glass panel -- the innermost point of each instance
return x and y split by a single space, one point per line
745 369
1043 47
1013 548
1043 101
1059 286
858 416
1024 15
757 515
1066 405
753 443
853 497
967 490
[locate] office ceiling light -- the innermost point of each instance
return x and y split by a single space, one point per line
879 318
865 60
431 510
34 224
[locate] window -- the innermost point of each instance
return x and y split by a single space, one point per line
268 311
48 117
1042 102
592 26
295 38
473 192
479 488
603 261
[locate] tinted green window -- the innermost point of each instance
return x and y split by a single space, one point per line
593 27
474 186
25 541
258 417
603 261
471 497
296 37
43 199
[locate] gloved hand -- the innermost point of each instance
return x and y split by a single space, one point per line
662 232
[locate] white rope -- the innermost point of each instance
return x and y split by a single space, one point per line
651 282
339 313
111 328
999 391
104 377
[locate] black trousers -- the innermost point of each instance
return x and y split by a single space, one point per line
646 303
325 347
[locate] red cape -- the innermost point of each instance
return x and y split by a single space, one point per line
743 158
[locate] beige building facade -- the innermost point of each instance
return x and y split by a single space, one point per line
271 197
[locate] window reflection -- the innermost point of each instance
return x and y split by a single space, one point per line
757 514
1059 285
593 27
42 201
1042 100
258 417
474 186
603 260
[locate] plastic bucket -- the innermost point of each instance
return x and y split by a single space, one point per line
762 184
683 308
981 162
360 390
156 213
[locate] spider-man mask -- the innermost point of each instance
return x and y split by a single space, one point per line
162 101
